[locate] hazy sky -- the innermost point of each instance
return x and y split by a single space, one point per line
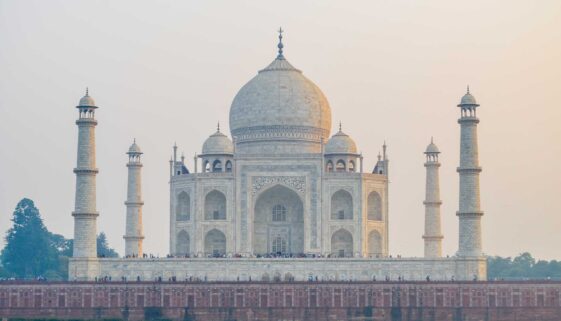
165 71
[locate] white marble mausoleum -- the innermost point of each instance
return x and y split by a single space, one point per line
280 197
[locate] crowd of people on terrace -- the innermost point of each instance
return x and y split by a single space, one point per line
266 255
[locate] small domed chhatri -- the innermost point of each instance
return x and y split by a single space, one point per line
218 144
432 148
87 100
340 143
468 99
134 149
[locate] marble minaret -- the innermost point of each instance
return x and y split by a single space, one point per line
469 212
433 235
85 213
133 235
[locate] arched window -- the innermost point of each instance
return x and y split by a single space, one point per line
329 166
341 205
279 213
279 245
215 206
206 166
374 206
351 166
228 166
340 166
183 207
183 243
217 166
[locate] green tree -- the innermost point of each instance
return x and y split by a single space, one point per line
28 251
521 267
103 249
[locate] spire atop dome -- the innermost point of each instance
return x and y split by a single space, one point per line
87 100
340 126
468 100
280 45
218 127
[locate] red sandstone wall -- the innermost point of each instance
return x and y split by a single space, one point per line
458 301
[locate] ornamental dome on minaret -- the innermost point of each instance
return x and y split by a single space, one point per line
218 144
280 105
432 148
134 149
468 100
340 143
87 100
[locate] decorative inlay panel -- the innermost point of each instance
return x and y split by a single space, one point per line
296 182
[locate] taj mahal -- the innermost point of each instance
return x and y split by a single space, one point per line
280 198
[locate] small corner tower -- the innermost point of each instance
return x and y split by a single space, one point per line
469 212
433 236
85 213
133 234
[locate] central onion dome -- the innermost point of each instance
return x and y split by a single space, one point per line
278 108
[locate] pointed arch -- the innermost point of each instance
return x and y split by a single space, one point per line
340 166
341 205
374 206
278 221
183 207
375 244
215 206
329 166
216 166
228 166
342 243
352 166
183 243
215 243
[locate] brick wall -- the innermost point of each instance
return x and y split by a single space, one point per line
454 301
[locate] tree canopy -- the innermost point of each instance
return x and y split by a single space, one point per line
29 251
32 251
522 266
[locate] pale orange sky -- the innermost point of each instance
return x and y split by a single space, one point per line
392 70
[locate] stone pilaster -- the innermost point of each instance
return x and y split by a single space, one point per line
469 212
133 234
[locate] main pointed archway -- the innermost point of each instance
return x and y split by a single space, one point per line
278 222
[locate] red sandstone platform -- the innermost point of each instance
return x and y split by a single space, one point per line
299 301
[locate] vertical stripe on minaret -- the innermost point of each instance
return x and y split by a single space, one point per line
133 234
433 236
469 213
85 213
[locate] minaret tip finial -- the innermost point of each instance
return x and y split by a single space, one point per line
280 45
134 140
87 91
468 89
218 127
340 126
431 140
